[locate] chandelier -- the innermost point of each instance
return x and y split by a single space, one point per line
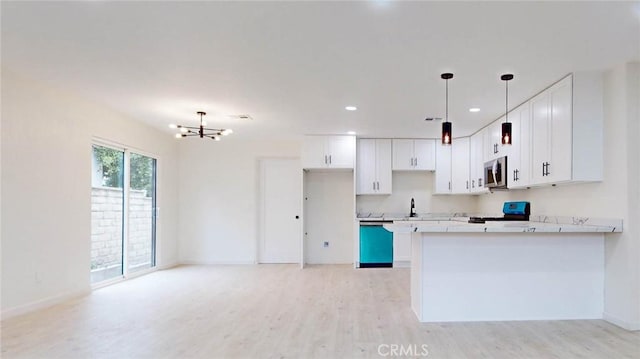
201 131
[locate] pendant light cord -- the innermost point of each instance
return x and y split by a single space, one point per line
446 112
506 101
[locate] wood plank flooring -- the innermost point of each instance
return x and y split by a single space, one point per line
280 311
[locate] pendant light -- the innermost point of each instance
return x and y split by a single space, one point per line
446 125
506 125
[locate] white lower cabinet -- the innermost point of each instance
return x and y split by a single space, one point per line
401 249
443 169
373 166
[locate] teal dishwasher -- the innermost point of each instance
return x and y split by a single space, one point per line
376 245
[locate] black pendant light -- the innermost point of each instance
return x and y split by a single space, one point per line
446 125
506 125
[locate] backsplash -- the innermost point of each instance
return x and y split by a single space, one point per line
419 186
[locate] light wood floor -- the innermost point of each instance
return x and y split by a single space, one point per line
280 311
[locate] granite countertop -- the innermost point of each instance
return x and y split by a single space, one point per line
537 224
370 216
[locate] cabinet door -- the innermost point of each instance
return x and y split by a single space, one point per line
540 127
460 165
341 151
559 168
383 166
403 155
401 247
443 169
366 167
524 170
424 154
476 162
313 152
495 139
518 160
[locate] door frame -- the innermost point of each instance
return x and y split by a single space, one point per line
260 207
100 141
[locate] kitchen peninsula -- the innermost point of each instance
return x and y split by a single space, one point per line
548 268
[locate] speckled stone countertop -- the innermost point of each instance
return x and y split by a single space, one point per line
537 224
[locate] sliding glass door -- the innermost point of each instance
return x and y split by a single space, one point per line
123 213
142 220
107 213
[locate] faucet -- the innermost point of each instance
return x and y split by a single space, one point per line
412 213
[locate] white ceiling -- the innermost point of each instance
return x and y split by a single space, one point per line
294 66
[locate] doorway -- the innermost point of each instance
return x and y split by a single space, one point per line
280 211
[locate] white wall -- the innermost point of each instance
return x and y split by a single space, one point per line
615 197
219 197
329 217
419 186
46 189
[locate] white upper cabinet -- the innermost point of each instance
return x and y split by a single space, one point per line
414 155
493 140
476 162
566 131
443 169
373 166
519 159
321 152
460 165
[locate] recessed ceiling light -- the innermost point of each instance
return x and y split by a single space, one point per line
474 109
350 108
351 132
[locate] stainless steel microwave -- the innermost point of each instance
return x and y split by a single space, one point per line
495 173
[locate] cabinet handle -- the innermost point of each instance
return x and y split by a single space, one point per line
548 172
415 161
325 159
374 185
449 185
377 185
467 184
543 172
329 159
473 183
517 175
514 176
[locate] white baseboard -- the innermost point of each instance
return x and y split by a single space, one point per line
41 304
168 266
624 324
214 262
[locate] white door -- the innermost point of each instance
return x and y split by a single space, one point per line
280 211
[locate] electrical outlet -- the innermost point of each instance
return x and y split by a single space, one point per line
326 244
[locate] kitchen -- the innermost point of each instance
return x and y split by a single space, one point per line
563 121
338 112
